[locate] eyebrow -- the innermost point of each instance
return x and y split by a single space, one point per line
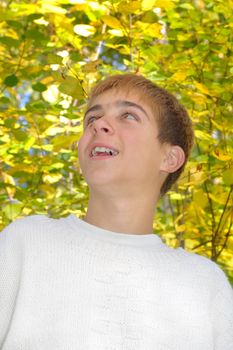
120 103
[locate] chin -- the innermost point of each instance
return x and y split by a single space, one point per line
99 180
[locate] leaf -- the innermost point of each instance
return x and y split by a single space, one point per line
54 59
39 87
10 122
180 228
54 130
20 135
219 154
84 30
202 158
63 141
51 178
7 40
147 4
72 87
129 6
12 210
111 21
179 76
35 34
200 198
49 8
91 66
203 89
116 32
203 135
186 6
176 196
228 176
164 4
11 80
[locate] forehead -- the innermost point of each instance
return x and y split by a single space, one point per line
111 96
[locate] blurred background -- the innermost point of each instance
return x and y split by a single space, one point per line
53 51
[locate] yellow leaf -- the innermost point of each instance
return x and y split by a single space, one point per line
147 5
27 168
116 32
203 135
202 88
84 29
91 66
200 198
53 130
48 8
129 6
198 98
176 196
184 37
228 176
26 211
111 21
12 210
51 178
154 30
8 179
179 76
63 141
180 228
164 4
221 156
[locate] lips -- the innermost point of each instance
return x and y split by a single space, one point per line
102 150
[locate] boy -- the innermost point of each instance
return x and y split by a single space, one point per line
106 282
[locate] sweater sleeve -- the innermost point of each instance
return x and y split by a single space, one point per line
222 313
10 267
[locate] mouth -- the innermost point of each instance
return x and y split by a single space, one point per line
103 152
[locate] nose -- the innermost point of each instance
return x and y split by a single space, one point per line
102 125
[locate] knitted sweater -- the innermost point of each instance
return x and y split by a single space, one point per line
68 285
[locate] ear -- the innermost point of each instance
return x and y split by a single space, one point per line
174 158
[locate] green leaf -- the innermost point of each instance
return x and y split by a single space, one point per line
186 6
228 177
35 35
20 135
72 87
12 210
54 59
11 80
34 16
7 40
10 122
39 87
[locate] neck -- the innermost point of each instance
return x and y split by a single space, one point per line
131 214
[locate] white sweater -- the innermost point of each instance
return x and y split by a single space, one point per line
68 285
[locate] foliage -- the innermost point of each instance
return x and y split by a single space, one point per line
53 51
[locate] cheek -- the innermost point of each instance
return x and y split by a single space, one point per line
81 147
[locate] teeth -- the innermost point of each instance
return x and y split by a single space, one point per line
103 149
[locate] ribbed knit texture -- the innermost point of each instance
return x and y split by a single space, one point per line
68 285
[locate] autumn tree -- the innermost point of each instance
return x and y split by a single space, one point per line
53 51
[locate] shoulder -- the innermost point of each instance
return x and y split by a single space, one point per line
203 268
26 223
35 225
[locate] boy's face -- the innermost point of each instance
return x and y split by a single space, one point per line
124 123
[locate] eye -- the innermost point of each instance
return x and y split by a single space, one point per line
129 116
90 119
